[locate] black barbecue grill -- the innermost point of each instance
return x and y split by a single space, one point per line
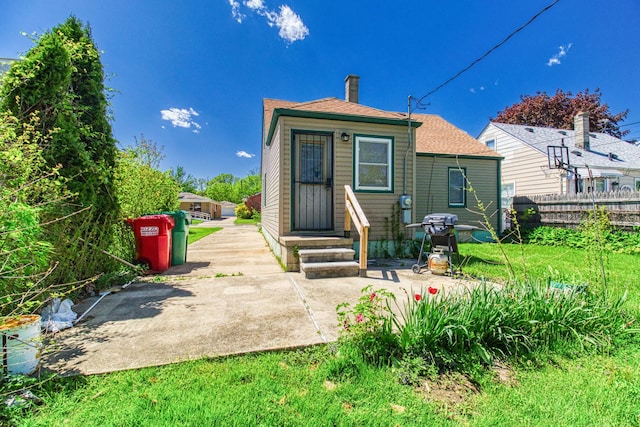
440 227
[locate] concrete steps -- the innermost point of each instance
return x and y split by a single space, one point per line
330 262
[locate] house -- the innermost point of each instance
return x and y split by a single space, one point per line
200 207
540 160
449 161
317 154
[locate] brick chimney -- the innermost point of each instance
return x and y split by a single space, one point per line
581 126
351 88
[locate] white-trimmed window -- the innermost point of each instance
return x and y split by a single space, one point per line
373 163
457 188
491 143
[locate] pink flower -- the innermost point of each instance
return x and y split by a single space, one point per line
372 296
418 297
432 291
359 318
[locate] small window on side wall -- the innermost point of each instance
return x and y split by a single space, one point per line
491 143
457 188
373 164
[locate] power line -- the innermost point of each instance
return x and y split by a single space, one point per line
487 53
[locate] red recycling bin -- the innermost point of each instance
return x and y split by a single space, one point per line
153 240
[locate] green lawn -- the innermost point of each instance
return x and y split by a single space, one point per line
312 386
572 266
196 234
242 221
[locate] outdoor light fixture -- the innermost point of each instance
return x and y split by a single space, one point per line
344 136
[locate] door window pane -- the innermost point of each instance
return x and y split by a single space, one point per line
311 163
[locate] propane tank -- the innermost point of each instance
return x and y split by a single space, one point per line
438 262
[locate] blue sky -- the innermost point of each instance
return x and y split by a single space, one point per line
191 75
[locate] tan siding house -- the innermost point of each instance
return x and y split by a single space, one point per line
312 150
444 150
200 207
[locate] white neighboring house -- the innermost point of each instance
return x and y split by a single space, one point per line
228 208
540 160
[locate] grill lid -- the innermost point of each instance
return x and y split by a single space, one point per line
447 219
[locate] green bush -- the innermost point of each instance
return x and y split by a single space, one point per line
29 190
24 260
616 241
243 212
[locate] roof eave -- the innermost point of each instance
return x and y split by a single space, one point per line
287 112
461 156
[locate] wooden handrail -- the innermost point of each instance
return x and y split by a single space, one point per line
353 212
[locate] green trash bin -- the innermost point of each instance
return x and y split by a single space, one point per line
179 236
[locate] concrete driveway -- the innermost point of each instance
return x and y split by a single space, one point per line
230 297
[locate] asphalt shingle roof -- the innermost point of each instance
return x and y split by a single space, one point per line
438 136
187 197
435 136
626 154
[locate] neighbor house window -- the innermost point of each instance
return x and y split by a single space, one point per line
637 183
373 168
457 190
507 192
491 143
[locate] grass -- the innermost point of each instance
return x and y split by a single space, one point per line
286 388
300 388
588 391
318 386
249 221
559 264
198 233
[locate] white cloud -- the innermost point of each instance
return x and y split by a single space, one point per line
235 11
555 59
255 4
290 25
472 90
181 117
245 154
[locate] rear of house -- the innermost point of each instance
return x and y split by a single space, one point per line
312 150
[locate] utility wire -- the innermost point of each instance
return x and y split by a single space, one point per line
487 53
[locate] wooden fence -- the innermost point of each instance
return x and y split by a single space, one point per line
568 210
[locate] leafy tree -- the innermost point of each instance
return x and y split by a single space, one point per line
61 82
249 185
559 110
140 187
227 187
147 152
220 188
186 181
